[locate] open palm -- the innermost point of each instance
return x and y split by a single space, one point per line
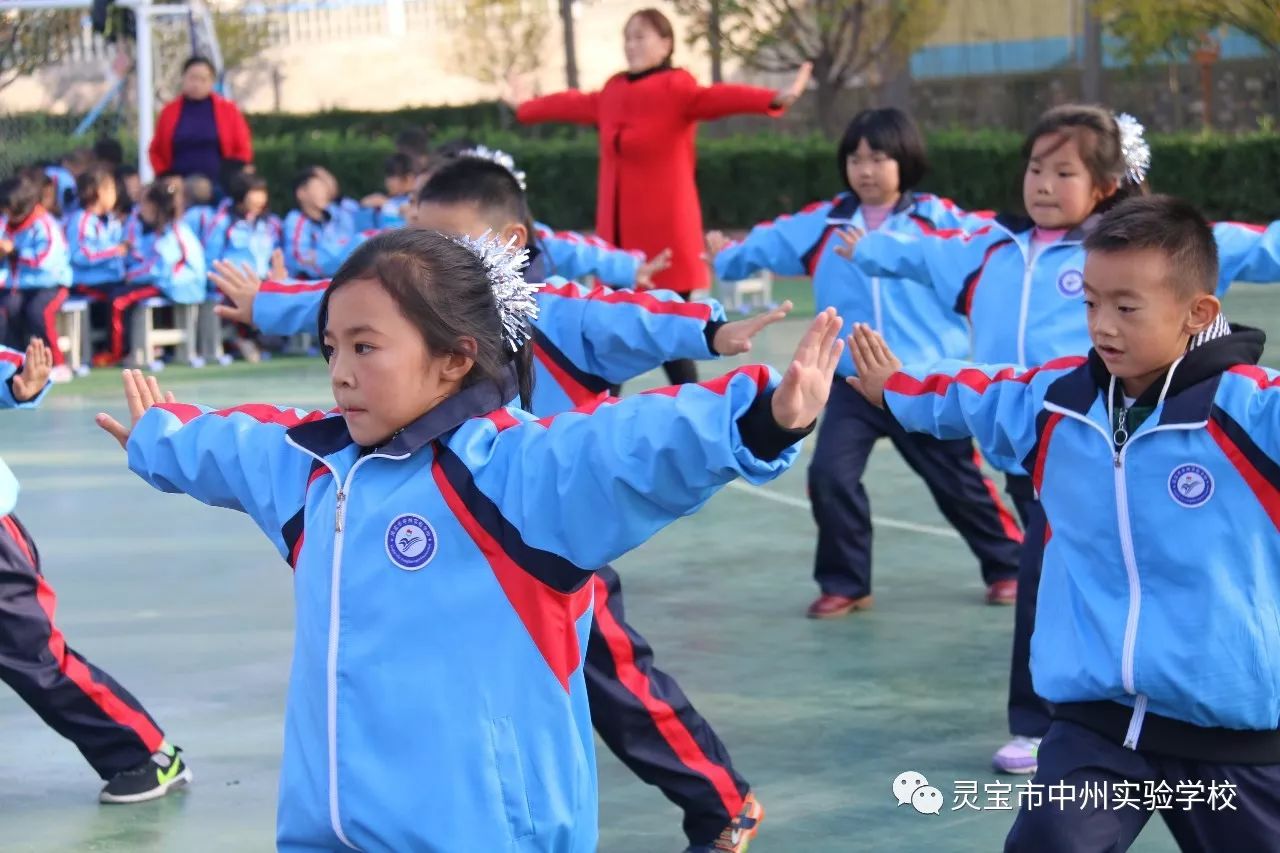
805 387
140 394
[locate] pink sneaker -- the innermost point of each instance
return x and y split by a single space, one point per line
1019 756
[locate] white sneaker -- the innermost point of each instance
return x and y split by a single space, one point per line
1018 756
61 374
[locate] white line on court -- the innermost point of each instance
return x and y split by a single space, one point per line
927 529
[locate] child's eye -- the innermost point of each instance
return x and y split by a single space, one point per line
1088 303
326 350
1127 309
363 349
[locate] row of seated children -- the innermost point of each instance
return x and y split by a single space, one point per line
117 247
94 254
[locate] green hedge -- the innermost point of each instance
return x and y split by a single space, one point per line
742 179
747 179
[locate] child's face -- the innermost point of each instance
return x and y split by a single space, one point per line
382 373
107 195
147 212
255 202
314 193
331 190
872 174
133 187
1139 318
398 184
466 219
1057 189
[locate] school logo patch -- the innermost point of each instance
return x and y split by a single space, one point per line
1191 485
411 542
1071 283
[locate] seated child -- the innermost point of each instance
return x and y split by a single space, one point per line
380 211
197 199
246 232
165 259
35 248
320 232
95 234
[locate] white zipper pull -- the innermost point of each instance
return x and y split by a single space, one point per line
342 497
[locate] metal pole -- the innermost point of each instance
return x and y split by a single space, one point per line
146 89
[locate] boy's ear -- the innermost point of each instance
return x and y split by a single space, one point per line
1204 310
517 230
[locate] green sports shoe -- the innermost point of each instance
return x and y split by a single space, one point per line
150 781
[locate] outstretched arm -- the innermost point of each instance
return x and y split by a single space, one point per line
633 466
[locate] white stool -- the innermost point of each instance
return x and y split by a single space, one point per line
73 333
144 337
746 293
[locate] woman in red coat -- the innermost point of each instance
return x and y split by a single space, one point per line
647 118
200 132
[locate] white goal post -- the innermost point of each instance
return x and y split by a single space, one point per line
145 13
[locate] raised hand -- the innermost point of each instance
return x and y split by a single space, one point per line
875 363
140 394
279 272
849 238
37 363
803 393
716 243
238 284
650 268
735 338
788 96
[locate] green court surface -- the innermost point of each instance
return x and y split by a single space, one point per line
191 609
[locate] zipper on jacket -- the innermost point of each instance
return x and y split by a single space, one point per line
875 301
1025 309
335 615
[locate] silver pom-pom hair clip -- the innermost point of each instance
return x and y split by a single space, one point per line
502 158
504 265
1133 148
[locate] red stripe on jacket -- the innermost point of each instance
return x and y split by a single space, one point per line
1263 489
550 616
971 377
261 412
693 310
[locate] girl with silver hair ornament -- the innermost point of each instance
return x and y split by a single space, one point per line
443 543
1020 283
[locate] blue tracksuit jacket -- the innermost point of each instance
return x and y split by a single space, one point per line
436 699
95 244
10 364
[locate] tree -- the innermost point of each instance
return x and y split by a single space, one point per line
844 39
1259 19
570 44
31 40
241 38
495 39
1176 31
1171 30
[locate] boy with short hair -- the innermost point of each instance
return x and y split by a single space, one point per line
1157 460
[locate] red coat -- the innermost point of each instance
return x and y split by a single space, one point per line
233 133
647 199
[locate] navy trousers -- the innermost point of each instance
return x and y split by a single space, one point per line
76 699
1073 755
645 719
1029 715
849 429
